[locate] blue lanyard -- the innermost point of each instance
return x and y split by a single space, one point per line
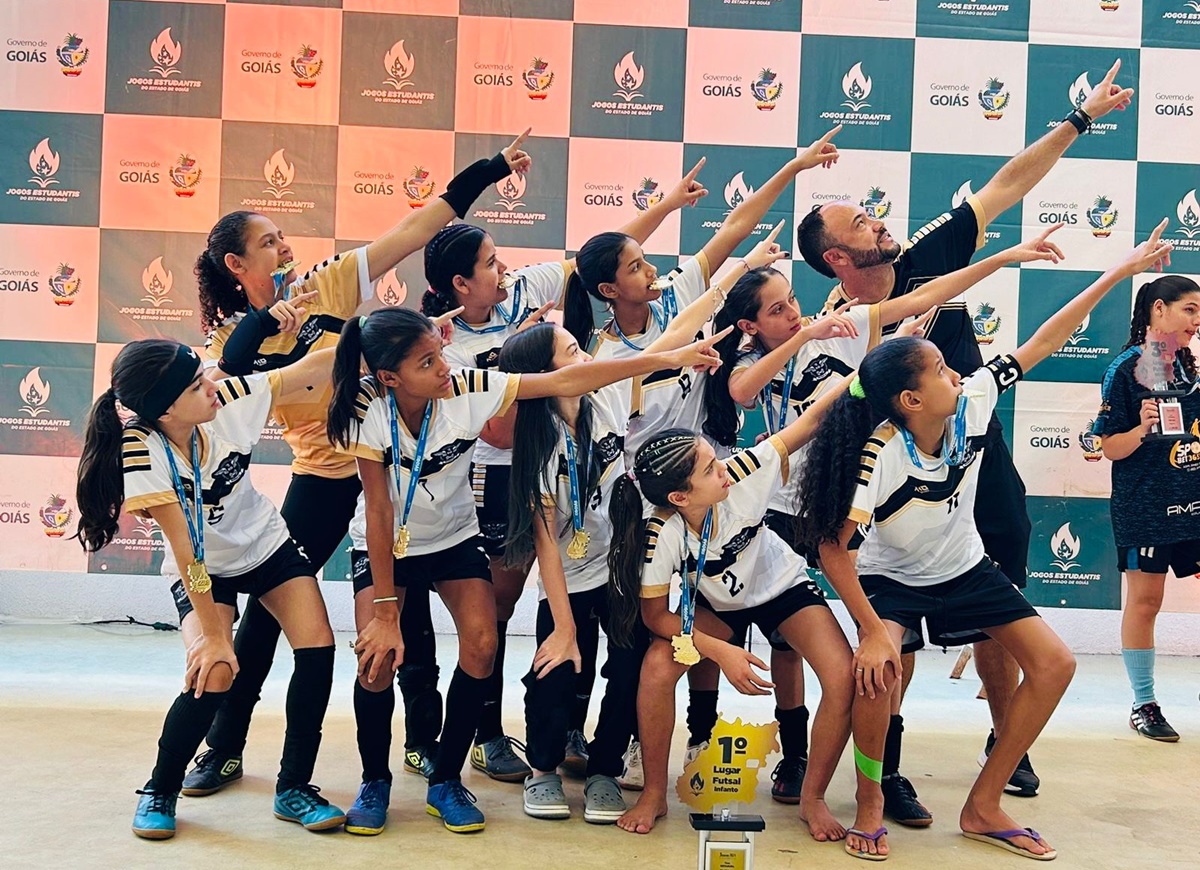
414 476
953 451
687 600
510 318
195 525
663 314
789 376
573 475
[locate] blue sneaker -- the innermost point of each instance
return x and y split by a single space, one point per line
305 806
368 814
455 806
155 815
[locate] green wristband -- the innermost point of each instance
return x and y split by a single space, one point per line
868 767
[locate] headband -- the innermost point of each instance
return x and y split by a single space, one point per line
169 386
439 246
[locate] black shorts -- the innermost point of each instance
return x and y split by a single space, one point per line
770 615
280 567
955 612
460 562
490 483
1182 557
1000 514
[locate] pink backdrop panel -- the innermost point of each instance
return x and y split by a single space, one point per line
50 277
59 55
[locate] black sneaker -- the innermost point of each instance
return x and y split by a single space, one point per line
1149 721
788 779
211 774
900 803
1023 782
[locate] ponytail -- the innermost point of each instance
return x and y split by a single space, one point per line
595 264
578 317
347 369
742 303
221 296
1168 289
100 490
453 251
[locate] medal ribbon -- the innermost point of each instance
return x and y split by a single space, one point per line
509 319
663 314
573 475
953 450
195 524
418 460
773 425
689 593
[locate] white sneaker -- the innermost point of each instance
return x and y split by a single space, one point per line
633 777
693 752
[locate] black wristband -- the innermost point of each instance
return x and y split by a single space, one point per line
465 187
1080 120
237 357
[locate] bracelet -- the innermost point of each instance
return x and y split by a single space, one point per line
386 600
1079 119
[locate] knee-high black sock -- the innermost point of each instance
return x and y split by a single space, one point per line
183 729
464 699
701 715
422 705
490 725
891 747
373 716
793 731
257 636
307 699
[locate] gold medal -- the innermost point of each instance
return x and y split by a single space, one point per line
198 579
577 549
400 548
685 651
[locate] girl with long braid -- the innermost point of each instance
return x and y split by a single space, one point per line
900 453
411 425
1154 482
464 269
261 315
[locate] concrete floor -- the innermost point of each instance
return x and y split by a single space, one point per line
82 706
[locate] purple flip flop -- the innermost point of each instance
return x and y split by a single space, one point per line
1004 840
874 838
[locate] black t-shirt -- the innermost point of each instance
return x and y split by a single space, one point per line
1155 489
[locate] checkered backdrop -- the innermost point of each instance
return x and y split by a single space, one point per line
130 127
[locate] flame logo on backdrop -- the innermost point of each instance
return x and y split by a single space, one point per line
737 190
55 515
538 78
157 282
1188 212
185 175
390 290
856 85
43 160
35 393
960 196
876 204
144 527
994 99
399 65
72 55
629 77
419 186
766 90
1091 443
279 175
1080 333
511 190
647 194
985 323
306 66
1065 548
165 53
64 284
1102 217
1080 89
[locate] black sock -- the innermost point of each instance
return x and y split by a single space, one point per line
183 729
464 700
701 715
307 700
254 644
793 731
891 747
490 726
373 717
422 705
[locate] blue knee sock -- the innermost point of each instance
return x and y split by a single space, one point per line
1139 664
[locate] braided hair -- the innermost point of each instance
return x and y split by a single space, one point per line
1168 289
663 465
221 296
450 253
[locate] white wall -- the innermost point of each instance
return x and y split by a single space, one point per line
71 597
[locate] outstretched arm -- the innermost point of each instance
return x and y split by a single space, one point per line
1018 176
801 430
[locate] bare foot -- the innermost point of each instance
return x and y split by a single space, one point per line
821 823
641 818
975 820
868 820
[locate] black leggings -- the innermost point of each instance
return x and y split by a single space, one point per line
317 511
550 701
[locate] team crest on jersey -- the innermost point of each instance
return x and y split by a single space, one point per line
488 359
608 449
876 204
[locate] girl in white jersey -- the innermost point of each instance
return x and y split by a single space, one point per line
707 527
900 452
464 268
182 460
411 424
785 362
